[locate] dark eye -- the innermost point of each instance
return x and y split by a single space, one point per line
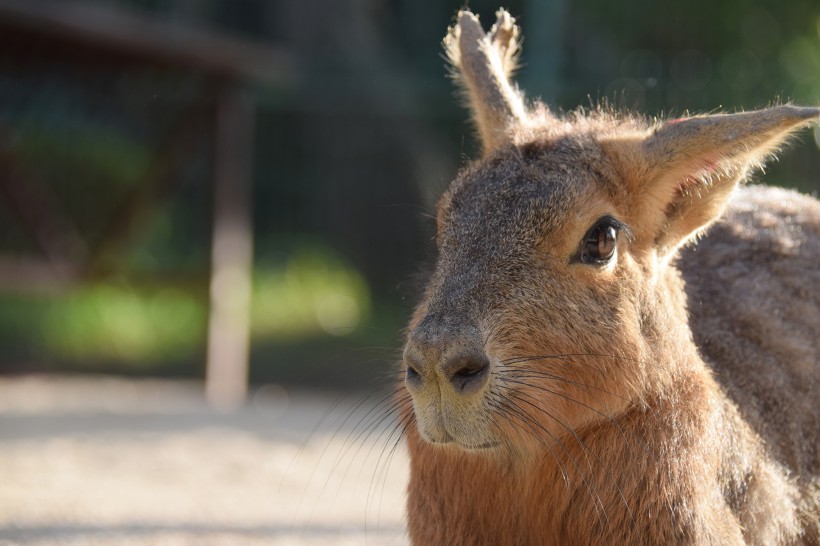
600 242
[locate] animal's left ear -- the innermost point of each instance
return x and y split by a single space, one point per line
482 63
682 173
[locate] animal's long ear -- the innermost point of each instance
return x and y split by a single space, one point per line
482 64
682 173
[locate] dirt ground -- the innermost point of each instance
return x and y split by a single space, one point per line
121 462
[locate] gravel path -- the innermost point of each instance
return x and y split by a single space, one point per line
121 462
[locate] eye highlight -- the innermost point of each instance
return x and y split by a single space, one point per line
601 242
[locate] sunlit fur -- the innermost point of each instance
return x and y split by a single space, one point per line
623 405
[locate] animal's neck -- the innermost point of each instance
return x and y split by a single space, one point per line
508 499
476 498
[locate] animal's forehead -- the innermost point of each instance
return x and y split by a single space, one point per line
524 190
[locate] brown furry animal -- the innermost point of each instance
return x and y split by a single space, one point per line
580 372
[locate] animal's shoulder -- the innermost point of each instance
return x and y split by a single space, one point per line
753 296
766 243
770 221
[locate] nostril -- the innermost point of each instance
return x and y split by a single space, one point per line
412 377
470 374
470 370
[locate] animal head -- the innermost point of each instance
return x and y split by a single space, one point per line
554 299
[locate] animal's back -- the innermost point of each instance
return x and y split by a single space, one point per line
753 289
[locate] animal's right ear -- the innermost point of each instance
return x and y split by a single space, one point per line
482 63
681 174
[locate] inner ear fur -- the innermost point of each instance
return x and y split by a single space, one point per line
482 64
681 174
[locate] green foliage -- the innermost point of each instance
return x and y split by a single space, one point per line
313 292
312 295
118 322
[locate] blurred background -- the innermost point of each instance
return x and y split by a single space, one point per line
338 130
241 190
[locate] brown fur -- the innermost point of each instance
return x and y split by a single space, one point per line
662 397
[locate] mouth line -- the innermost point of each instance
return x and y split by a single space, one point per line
481 447
468 447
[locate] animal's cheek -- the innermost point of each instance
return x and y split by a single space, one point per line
535 311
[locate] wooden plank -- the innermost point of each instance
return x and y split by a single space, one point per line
114 30
232 251
160 180
34 275
37 210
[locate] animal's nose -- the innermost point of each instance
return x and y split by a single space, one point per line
458 361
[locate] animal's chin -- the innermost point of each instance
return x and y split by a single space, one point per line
443 438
